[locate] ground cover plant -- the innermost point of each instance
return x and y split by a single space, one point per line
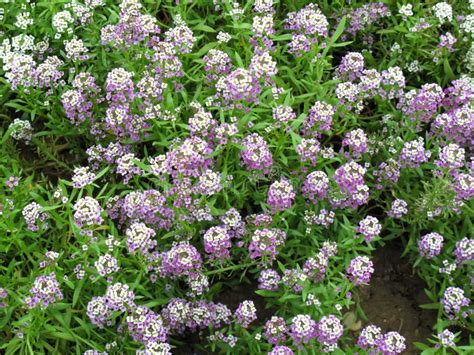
197 177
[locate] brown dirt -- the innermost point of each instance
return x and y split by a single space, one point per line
391 301
231 297
393 297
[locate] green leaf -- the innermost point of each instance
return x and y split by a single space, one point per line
77 292
205 28
335 36
61 335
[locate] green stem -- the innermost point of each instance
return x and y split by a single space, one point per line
229 268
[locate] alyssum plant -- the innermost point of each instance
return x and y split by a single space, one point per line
158 155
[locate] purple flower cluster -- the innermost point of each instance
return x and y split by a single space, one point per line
202 123
245 313
181 37
430 245
209 183
281 195
315 267
45 291
393 83
127 168
456 125
145 326
139 238
34 215
82 177
464 250
373 340
180 260
370 228
275 330
198 283
356 141
308 150
217 64
325 218
369 337
414 153
328 331
167 142
348 95
451 157
302 329
264 243
320 116
360 270
180 315
293 279
281 350
391 343
309 21
233 222
3 296
239 87
447 41
307 25
398 209
370 84
453 301
422 105
256 154
118 297
350 179
106 265
351 66
315 186
269 280
283 114
98 311
148 206
87 212
366 15
387 173
464 186
78 103
217 243
447 338
132 28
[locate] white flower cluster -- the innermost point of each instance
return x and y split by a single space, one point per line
23 20
236 10
75 48
223 37
406 10
414 67
443 12
468 25
21 130
61 21
106 265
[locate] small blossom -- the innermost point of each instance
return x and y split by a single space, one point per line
45 291
430 245
370 228
246 313
360 270
281 195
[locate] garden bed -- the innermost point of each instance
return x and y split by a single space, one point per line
223 177
394 297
